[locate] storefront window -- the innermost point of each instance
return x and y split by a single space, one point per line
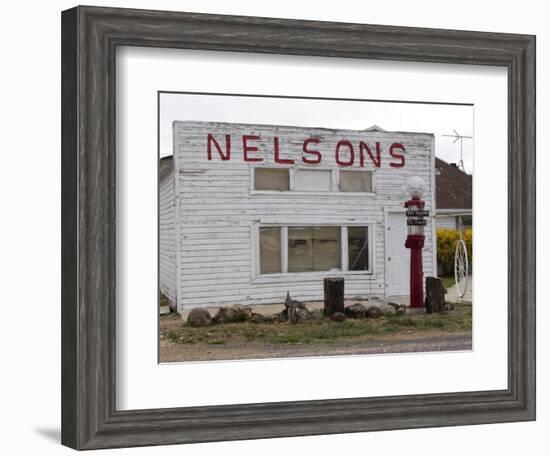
295 249
313 248
358 248
270 250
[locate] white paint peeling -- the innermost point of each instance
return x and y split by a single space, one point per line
215 256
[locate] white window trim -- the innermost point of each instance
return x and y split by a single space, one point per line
257 277
335 180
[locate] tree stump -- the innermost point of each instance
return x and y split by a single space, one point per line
435 295
334 295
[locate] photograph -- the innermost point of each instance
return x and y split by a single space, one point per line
252 228
294 227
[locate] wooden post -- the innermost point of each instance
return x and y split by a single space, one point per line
334 295
435 295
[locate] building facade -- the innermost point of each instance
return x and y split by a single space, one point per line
249 212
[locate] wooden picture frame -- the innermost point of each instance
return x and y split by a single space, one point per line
90 36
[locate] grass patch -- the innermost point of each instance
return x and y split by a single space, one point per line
448 281
318 330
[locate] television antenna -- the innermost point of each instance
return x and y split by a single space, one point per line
458 137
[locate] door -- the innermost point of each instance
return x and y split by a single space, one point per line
397 256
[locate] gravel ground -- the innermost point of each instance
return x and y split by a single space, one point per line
417 342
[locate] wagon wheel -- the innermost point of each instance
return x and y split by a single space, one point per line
461 268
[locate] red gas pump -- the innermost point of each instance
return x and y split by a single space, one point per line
416 221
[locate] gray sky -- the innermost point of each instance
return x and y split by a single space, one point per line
354 115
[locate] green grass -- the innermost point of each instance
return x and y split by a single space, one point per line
319 330
448 281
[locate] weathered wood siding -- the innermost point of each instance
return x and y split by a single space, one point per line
167 236
219 212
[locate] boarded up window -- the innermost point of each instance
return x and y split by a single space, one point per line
271 179
313 248
355 181
358 248
313 180
270 250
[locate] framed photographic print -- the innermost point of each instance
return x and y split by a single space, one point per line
279 228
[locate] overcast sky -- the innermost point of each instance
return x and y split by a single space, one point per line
355 115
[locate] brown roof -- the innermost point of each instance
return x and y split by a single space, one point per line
453 186
166 165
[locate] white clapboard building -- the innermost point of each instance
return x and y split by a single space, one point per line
249 212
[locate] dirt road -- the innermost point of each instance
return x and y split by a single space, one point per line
419 342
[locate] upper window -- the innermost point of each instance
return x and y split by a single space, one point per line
313 180
271 179
355 181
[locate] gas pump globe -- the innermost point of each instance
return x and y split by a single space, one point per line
416 221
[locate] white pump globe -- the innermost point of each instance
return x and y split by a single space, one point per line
416 186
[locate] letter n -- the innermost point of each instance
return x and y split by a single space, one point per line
223 156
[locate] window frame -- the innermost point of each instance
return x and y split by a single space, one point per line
271 192
293 170
359 170
258 277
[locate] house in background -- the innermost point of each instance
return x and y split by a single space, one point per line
453 196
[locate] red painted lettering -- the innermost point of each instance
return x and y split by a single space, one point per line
316 153
351 154
223 156
400 157
247 148
278 159
364 146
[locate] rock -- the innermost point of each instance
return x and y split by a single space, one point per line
294 311
298 314
401 309
398 308
356 310
199 317
289 302
374 312
338 317
233 314
257 318
387 309
393 304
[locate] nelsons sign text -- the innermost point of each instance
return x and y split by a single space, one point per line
346 152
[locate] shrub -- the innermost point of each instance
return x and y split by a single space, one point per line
446 247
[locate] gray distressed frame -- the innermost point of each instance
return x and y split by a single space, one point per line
89 38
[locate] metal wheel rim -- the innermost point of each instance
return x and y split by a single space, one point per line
461 268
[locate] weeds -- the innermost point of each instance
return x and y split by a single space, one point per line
320 329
